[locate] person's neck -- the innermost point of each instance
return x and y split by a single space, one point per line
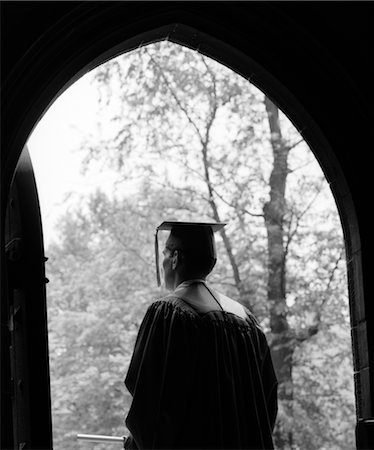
186 278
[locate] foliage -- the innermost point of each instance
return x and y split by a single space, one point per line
187 138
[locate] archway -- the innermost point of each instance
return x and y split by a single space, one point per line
123 243
279 94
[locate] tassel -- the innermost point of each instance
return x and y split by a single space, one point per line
157 261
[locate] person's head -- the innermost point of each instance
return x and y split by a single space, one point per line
189 252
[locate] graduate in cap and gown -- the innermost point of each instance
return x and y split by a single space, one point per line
201 374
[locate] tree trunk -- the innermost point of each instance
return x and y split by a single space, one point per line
281 342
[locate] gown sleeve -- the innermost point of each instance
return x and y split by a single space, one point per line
163 361
268 375
270 384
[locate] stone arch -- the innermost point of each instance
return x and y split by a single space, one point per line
75 51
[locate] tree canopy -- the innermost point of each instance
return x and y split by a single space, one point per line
185 138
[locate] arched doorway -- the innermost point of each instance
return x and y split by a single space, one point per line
228 85
188 36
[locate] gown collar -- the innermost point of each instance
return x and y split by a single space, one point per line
188 283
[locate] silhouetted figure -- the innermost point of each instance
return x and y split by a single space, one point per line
201 374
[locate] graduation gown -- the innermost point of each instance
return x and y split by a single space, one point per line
200 380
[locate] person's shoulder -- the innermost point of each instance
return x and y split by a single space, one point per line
172 304
168 313
240 310
232 306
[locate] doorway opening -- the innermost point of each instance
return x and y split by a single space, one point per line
180 136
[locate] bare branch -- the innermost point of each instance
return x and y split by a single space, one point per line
176 98
235 206
217 218
130 249
308 163
313 329
114 233
214 91
330 280
292 234
295 144
179 188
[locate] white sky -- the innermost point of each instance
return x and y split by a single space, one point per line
53 149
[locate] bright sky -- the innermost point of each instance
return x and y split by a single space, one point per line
53 148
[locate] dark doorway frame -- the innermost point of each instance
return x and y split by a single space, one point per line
183 27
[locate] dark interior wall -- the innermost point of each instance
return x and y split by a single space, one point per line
314 59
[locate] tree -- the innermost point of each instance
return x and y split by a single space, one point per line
188 138
95 309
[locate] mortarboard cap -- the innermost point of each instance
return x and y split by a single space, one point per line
198 238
